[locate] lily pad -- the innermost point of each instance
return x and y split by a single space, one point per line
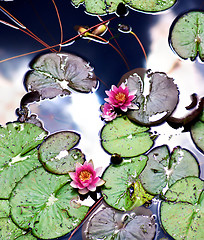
56 74
197 132
47 204
102 7
156 104
55 153
122 189
4 208
19 155
163 170
182 215
111 224
125 138
187 35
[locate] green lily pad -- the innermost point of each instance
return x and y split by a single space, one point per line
125 138
55 153
19 155
101 7
182 215
110 224
56 74
163 170
122 189
197 132
156 104
4 208
187 35
47 204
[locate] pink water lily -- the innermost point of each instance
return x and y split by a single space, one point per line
85 178
108 112
120 97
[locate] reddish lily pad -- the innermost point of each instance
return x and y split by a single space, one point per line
122 189
101 7
47 204
156 104
56 74
56 153
182 214
19 154
163 170
125 138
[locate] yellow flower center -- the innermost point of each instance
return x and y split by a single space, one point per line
84 175
120 96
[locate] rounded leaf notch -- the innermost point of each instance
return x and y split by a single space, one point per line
56 74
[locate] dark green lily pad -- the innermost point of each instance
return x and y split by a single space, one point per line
47 204
197 132
163 170
125 138
56 74
122 189
55 153
111 224
182 215
187 35
156 104
101 7
19 155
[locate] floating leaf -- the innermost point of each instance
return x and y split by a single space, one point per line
197 132
122 189
4 208
55 153
182 216
187 35
46 203
111 224
160 101
58 74
101 7
163 170
19 155
125 138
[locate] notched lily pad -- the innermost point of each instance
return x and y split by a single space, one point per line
19 155
102 7
123 189
182 215
156 104
197 132
45 203
125 138
186 35
56 74
56 153
163 170
110 224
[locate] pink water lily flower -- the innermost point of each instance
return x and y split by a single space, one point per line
120 97
108 112
85 178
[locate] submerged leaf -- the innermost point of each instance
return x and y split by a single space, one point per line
163 170
111 224
187 35
122 189
55 153
19 155
156 105
44 202
182 215
125 138
101 7
56 74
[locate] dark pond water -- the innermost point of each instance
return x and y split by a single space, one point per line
81 112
